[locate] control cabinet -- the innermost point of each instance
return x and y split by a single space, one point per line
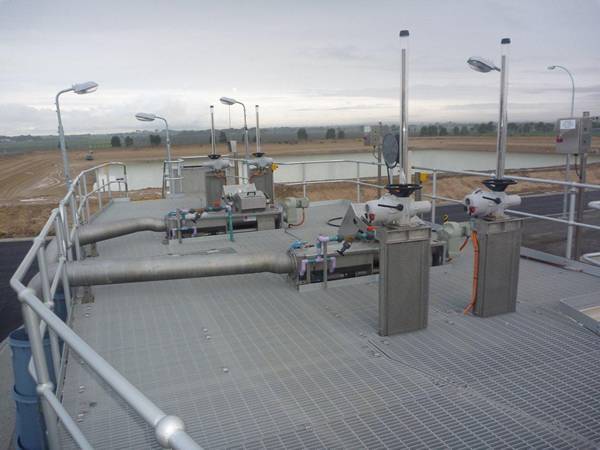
573 135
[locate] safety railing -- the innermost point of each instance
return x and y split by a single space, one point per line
570 221
37 303
356 179
172 177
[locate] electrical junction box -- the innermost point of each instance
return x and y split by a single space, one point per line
573 135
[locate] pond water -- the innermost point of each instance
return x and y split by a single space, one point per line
148 174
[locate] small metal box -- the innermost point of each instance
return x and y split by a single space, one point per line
249 200
573 135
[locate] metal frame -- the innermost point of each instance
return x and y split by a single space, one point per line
39 317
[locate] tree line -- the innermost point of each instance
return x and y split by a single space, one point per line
478 129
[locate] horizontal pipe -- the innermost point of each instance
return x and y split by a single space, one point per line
89 234
91 273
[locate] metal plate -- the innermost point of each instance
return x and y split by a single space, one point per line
390 150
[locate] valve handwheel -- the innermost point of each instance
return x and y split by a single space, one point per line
498 184
402 190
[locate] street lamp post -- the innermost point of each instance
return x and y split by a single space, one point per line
80 88
147 117
485 65
567 156
230 101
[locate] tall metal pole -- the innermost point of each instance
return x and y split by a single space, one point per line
168 137
245 131
581 191
404 170
212 130
172 187
502 117
379 145
61 139
567 156
257 131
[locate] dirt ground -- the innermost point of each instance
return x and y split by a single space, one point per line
31 184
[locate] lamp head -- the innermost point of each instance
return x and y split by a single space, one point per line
551 67
228 101
480 64
85 88
145 117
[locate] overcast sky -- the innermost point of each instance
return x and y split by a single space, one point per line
305 62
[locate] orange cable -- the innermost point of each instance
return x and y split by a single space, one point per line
475 241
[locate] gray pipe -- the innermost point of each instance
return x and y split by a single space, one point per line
91 273
100 232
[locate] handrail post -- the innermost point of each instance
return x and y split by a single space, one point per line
99 190
86 200
64 224
433 195
357 182
108 179
43 271
75 227
569 249
303 180
62 252
126 182
79 198
32 325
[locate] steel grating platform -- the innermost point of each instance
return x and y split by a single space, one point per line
249 362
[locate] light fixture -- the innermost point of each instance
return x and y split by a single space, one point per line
85 88
480 64
145 117
228 101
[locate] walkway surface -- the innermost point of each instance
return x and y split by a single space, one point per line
248 361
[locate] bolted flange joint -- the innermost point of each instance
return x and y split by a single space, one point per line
167 427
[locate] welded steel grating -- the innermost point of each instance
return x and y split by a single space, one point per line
246 361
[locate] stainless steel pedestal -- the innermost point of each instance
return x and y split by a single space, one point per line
404 261
499 255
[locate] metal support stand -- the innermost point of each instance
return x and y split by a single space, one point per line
498 268
404 261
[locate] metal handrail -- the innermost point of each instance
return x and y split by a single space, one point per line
572 185
38 316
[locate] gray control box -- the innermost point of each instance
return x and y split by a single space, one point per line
573 135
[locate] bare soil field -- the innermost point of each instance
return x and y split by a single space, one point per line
31 184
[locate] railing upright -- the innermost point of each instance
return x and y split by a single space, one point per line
357 181
433 195
32 325
49 301
571 227
303 180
